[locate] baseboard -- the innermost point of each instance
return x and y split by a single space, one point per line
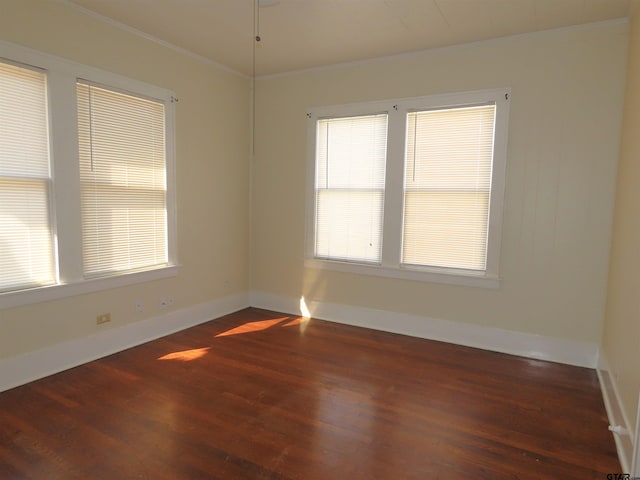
488 338
21 369
615 413
15 371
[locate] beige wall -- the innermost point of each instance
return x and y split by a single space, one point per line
621 339
567 93
566 103
212 173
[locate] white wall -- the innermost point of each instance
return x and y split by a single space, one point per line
621 338
567 93
212 174
567 90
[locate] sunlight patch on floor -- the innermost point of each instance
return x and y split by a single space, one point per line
253 326
186 355
261 325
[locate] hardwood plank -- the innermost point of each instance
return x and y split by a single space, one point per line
264 395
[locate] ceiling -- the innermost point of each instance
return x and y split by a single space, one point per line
300 34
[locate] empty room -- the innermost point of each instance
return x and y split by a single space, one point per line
319 239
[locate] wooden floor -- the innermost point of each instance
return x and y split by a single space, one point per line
262 395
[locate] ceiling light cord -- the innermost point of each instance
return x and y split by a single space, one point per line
257 20
256 39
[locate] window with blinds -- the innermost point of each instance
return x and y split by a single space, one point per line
447 187
349 187
87 179
26 239
415 192
122 181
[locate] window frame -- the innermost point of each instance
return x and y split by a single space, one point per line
48 180
397 110
315 239
87 209
62 76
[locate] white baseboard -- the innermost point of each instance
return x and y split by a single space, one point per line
31 366
559 350
21 369
635 463
616 413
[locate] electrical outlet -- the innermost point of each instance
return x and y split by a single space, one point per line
166 301
103 318
139 306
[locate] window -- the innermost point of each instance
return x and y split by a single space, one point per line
447 185
433 175
349 187
87 196
122 181
26 240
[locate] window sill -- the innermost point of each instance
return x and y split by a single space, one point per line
55 292
433 275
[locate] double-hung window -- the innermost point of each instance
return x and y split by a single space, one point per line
122 181
26 228
419 196
87 196
349 188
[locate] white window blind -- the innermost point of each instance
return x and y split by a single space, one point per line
123 181
26 240
349 187
448 169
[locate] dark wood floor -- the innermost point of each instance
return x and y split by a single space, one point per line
262 395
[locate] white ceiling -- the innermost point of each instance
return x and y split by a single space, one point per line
299 34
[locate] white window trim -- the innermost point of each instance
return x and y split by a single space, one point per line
397 110
62 76
47 293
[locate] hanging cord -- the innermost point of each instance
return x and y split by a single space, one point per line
415 145
91 125
327 154
257 14
256 39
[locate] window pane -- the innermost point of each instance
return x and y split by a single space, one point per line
26 241
350 169
123 181
447 187
351 222
446 229
24 136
